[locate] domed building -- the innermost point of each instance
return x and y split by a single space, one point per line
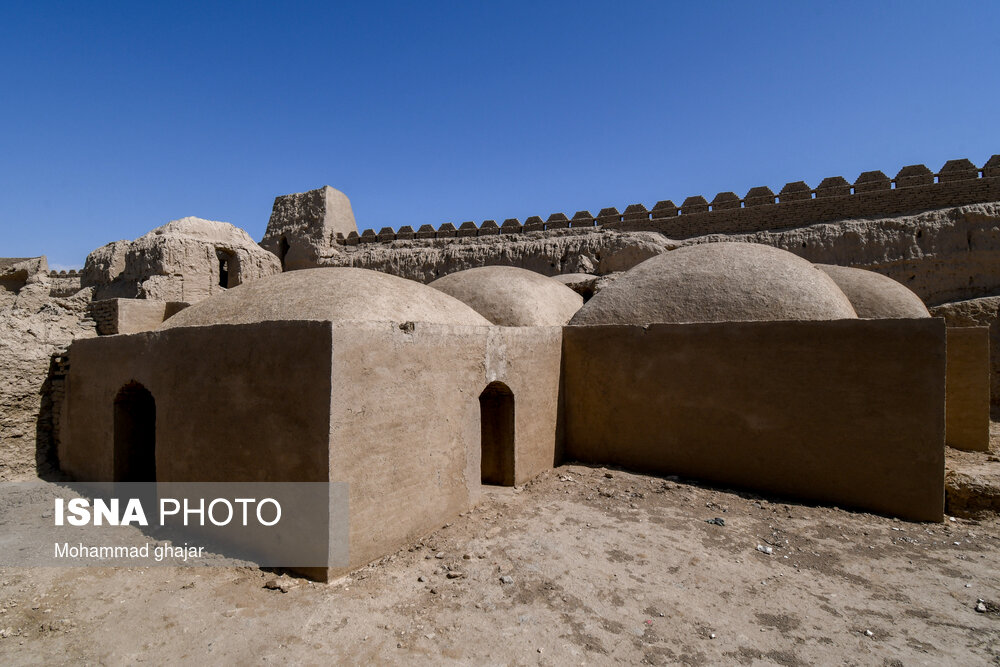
337 294
875 296
745 365
512 297
732 363
333 375
719 282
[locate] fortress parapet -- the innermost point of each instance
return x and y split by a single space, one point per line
871 194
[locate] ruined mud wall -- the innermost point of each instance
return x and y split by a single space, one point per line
942 255
548 253
180 261
983 312
35 330
873 194
935 233
64 283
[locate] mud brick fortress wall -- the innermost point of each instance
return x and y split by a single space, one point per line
64 283
873 194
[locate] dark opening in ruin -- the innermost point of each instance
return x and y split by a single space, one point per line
135 435
283 251
229 273
496 407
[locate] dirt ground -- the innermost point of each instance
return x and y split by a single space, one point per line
582 566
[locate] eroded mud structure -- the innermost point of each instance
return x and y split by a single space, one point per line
779 343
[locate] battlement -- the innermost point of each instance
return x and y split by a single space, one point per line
72 273
872 194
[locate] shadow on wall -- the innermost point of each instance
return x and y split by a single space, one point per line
47 426
496 408
135 435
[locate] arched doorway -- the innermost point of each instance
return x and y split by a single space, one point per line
496 409
135 435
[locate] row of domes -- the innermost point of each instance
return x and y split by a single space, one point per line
712 282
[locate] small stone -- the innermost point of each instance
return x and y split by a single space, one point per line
765 550
439 554
277 585
717 521
421 578
981 607
466 556
869 633
609 475
712 636
506 579
434 591
455 575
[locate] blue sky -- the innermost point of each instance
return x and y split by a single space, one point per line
119 117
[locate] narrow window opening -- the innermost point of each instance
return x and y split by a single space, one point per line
135 435
283 251
496 406
229 268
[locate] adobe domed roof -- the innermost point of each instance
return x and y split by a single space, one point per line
875 296
210 231
719 282
336 294
512 297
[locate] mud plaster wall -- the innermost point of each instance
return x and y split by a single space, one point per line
967 414
405 421
125 316
233 403
834 412
529 361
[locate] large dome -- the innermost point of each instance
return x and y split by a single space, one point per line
719 282
875 296
512 297
337 294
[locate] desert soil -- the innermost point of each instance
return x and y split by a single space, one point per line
582 566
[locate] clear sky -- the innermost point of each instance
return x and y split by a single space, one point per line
118 117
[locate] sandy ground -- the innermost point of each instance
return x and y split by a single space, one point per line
602 566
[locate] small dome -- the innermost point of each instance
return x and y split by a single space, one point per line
875 296
336 294
512 297
210 231
718 282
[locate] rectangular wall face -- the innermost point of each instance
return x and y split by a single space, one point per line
233 403
404 429
849 412
528 360
967 414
